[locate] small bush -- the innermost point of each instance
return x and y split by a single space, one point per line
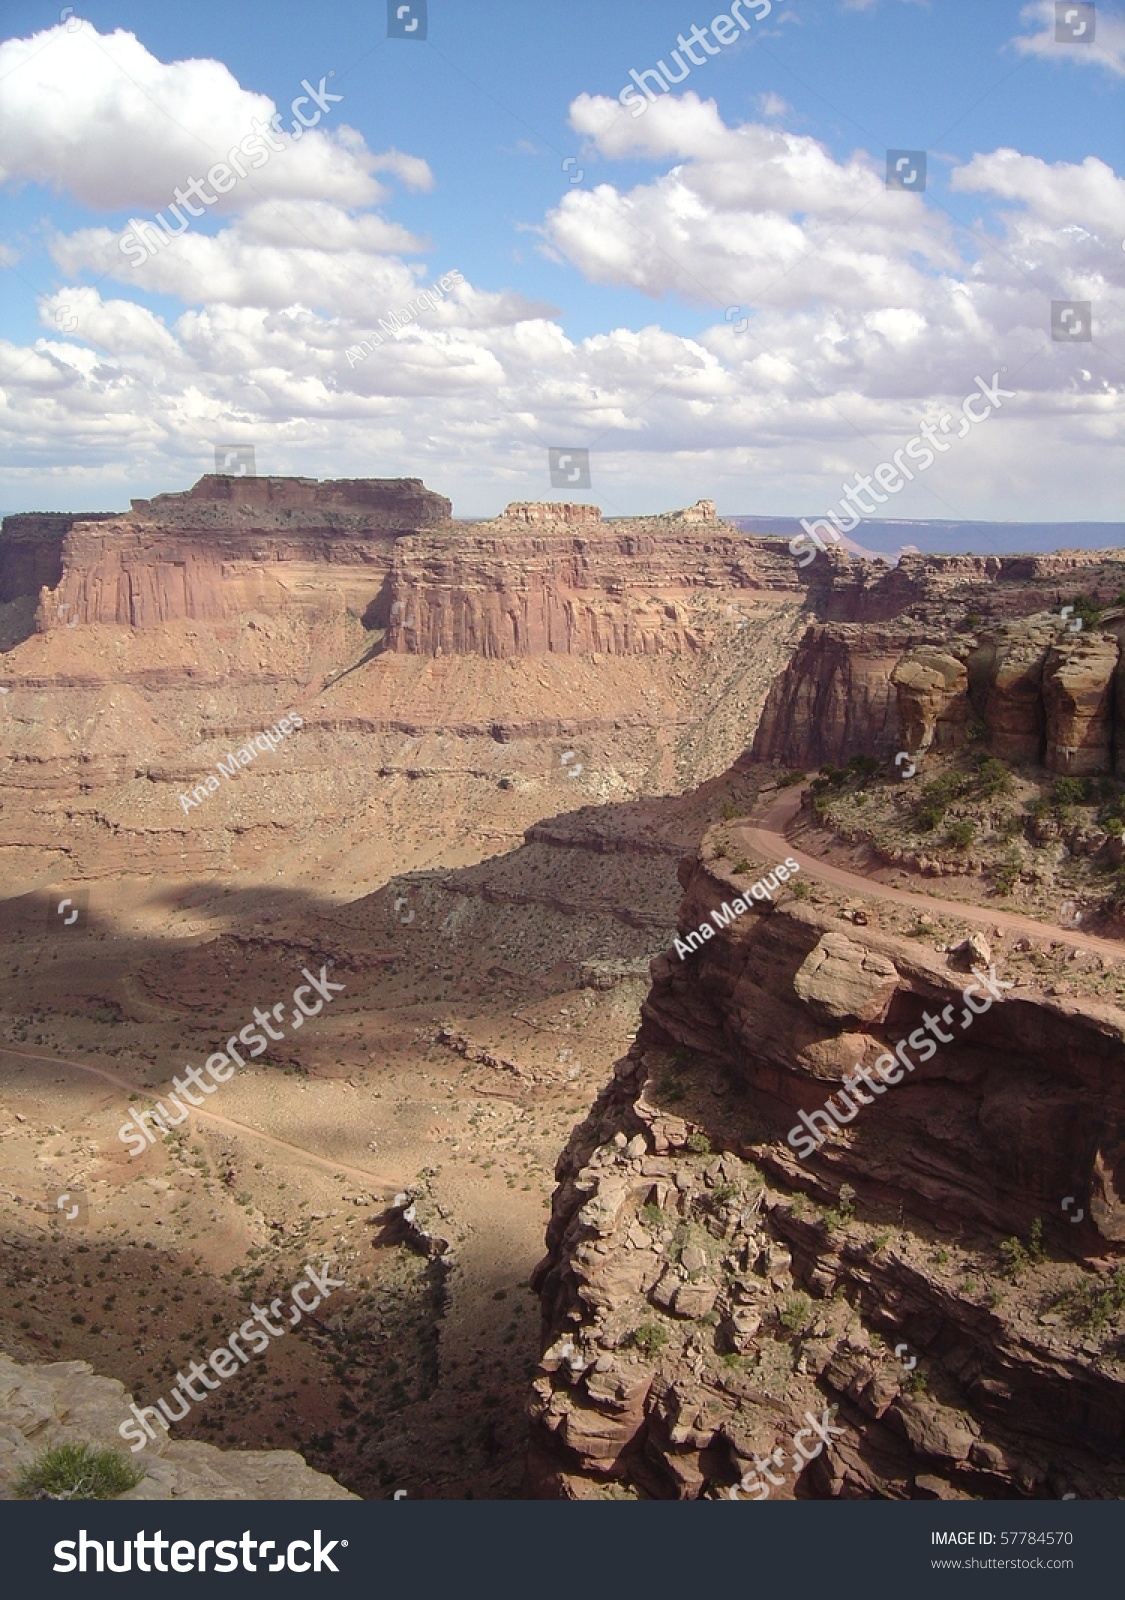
1007 874
789 779
801 888
1013 1256
993 777
698 1143
961 834
796 1314
76 1472
1017 1256
1072 791
1094 1304
650 1338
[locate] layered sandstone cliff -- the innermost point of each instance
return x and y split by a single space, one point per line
705 1291
957 640
557 579
230 545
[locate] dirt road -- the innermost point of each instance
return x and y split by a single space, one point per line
765 835
372 1179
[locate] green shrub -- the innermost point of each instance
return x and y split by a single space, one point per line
993 777
789 779
1086 608
796 1314
1035 1240
801 888
1095 1303
76 1472
1072 791
961 834
839 1215
650 1338
698 1143
1013 1257
1016 1256
1007 874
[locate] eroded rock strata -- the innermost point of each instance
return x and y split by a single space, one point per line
705 1290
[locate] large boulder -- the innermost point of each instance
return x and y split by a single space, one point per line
842 982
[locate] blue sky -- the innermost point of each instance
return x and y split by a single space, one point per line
725 301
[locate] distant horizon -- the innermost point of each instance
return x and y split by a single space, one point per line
883 536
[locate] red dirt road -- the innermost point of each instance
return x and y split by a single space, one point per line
765 835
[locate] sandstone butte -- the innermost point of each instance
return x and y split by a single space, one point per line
702 1288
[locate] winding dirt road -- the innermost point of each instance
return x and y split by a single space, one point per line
765 835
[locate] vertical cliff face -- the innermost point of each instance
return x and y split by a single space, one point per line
31 546
836 698
235 544
556 579
706 1291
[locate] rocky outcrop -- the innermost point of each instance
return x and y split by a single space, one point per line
1043 694
1078 689
933 703
706 1293
836 698
66 1402
1006 673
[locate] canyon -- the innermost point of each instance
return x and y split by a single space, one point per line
532 750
